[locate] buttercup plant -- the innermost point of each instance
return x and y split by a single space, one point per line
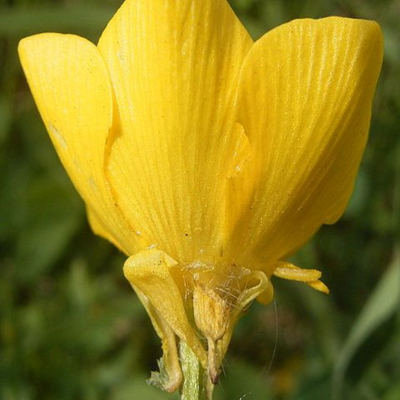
205 157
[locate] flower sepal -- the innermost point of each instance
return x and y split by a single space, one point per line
196 304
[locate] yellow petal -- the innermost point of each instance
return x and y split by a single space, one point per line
174 67
304 101
71 87
149 272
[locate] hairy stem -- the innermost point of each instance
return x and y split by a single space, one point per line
196 384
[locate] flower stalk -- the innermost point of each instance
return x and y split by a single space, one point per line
196 383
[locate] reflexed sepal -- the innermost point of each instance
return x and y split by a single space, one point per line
160 379
169 377
198 304
149 274
219 299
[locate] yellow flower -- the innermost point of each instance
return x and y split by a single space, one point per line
207 158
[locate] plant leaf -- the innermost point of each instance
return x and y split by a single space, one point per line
383 302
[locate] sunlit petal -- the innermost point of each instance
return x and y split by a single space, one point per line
305 103
174 67
70 84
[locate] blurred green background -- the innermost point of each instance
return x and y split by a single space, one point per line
71 327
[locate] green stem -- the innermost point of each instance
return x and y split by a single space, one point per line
196 385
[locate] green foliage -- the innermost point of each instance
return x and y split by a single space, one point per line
381 305
71 327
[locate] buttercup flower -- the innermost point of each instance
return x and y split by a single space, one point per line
206 158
